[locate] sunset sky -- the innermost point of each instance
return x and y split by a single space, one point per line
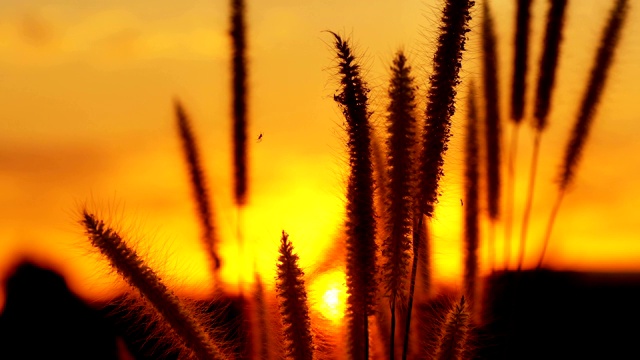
86 118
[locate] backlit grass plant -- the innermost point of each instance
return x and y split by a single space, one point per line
393 185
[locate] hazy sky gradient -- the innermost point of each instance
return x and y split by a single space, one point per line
87 91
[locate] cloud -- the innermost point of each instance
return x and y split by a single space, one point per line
36 29
109 37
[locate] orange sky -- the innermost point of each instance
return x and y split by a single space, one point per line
87 118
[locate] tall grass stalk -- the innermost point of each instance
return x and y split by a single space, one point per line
293 304
401 143
471 203
453 339
239 67
590 101
160 299
361 223
546 81
520 60
259 323
440 108
198 185
518 91
492 125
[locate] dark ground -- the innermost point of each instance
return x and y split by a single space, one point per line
533 315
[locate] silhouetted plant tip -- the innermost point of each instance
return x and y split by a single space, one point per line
518 90
546 80
360 222
549 61
259 328
132 268
492 128
437 129
198 184
293 303
592 96
441 99
453 339
239 65
591 99
471 204
492 114
393 210
521 51
401 125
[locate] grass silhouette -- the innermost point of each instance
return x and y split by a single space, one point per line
239 66
160 299
518 90
401 144
361 222
413 189
590 101
198 182
294 308
492 126
472 209
546 80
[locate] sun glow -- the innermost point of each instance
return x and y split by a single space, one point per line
330 294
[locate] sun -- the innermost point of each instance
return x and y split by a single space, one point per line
330 294
331 298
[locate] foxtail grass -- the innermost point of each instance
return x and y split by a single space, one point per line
549 62
382 318
259 328
591 99
518 91
437 131
239 70
492 126
520 60
471 205
198 185
453 338
159 298
361 222
441 100
546 81
293 303
401 143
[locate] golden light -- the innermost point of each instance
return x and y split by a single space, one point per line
88 109
331 298
329 291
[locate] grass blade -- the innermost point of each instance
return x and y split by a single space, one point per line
239 65
198 185
471 205
591 99
518 91
401 143
453 340
131 267
440 107
546 80
293 305
361 222
521 55
492 126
